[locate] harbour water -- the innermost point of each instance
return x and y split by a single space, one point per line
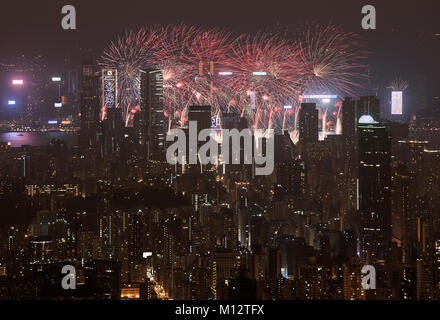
17 139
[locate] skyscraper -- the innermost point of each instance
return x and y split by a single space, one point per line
202 115
308 122
374 193
89 106
369 105
112 132
152 119
349 151
109 90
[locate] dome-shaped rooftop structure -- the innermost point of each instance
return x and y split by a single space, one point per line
366 119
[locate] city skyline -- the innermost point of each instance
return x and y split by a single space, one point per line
230 152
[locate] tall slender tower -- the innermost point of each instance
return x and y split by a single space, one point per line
369 105
152 122
374 191
350 152
89 106
308 122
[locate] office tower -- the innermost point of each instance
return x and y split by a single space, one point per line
112 132
425 267
72 94
404 224
102 278
72 82
374 195
273 267
200 114
295 252
243 123
106 222
308 122
40 249
431 185
352 280
152 119
89 106
312 282
284 162
224 263
435 251
230 120
139 130
349 118
137 239
349 152
109 89
241 210
369 105
408 281
408 189
242 287
299 185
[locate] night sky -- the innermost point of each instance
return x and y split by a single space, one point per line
405 42
35 25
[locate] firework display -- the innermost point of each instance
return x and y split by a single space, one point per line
399 84
332 61
261 77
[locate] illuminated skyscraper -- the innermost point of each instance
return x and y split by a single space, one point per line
89 106
352 280
308 122
112 132
200 114
409 181
152 120
369 105
349 149
374 194
109 90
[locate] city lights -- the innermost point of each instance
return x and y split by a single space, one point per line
225 155
259 73
396 102
320 96
17 82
